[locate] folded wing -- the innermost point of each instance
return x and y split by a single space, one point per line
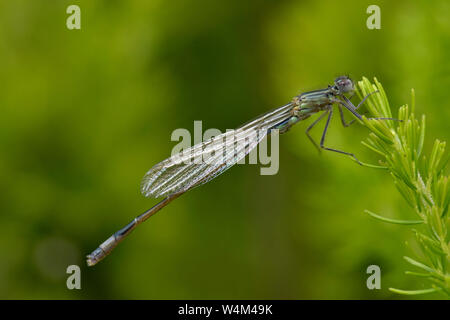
206 160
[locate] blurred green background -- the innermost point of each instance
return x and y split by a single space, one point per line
85 113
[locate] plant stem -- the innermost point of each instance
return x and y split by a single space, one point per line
421 181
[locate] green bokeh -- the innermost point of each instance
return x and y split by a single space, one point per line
85 113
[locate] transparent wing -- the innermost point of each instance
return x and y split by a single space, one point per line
205 161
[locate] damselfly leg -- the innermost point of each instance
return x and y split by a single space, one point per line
322 140
341 112
311 126
350 107
329 111
344 123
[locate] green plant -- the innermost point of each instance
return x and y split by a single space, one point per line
420 179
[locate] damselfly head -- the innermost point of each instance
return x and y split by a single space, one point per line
344 84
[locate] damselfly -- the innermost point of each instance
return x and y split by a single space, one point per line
177 174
